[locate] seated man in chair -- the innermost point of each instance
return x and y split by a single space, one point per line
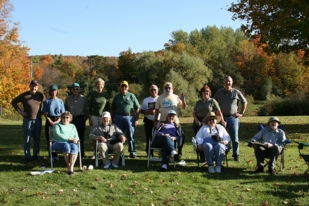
110 138
270 140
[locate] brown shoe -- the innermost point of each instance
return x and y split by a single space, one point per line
272 171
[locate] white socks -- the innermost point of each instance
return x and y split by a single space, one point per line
173 153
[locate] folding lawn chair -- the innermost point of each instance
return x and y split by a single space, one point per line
51 151
96 164
301 146
227 150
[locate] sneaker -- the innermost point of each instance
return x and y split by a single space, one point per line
107 166
71 173
272 171
211 169
36 159
218 169
93 157
132 156
27 159
115 166
163 169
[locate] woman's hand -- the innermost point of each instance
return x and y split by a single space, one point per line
224 142
73 140
173 138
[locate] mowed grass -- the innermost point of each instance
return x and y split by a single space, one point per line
135 184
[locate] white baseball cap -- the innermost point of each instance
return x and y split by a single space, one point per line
106 114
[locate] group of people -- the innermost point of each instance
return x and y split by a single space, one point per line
215 125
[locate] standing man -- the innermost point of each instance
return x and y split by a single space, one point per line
77 105
148 109
32 122
228 99
168 101
125 113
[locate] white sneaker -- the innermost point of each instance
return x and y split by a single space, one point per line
218 169
107 166
93 157
211 169
114 165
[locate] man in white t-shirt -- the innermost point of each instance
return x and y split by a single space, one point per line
148 109
168 101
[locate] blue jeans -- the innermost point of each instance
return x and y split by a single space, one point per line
32 128
126 124
212 151
232 127
65 147
167 146
80 124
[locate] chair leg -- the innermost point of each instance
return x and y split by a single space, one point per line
148 153
51 156
96 164
80 157
122 158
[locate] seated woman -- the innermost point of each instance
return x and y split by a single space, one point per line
65 138
212 138
167 134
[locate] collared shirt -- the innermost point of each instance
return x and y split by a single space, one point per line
229 100
207 132
202 108
125 103
267 135
77 106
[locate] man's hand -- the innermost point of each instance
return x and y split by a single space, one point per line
22 113
122 138
224 123
268 145
102 139
136 123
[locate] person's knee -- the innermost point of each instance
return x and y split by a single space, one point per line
102 147
66 148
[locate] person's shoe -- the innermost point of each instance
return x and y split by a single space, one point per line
27 159
93 157
218 169
163 169
272 171
56 158
107 166
259 170
132 156
211 169
176 157
115 166
71 173
236 158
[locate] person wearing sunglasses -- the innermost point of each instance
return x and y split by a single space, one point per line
228 99
98 103
77 105
148 109
125 114
52 109
169 136
32 121
213 140
65 138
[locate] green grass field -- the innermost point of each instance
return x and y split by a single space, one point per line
135 184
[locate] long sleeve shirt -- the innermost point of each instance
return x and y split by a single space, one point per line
168 128
109 132
62 133
267 135
207 132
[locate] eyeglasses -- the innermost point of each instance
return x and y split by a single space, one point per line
212 119
206 91
124 86
167 88
65 117
153 90
76 89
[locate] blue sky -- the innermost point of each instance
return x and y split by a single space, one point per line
106 27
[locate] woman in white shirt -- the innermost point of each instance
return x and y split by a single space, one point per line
213 139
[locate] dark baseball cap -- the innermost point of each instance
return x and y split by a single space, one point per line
34 82
53 87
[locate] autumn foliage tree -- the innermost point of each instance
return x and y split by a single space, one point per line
14 63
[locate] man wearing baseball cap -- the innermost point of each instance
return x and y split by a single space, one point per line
111 140
32 122
271 140
125 113
77 105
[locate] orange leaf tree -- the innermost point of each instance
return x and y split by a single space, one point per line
14 64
